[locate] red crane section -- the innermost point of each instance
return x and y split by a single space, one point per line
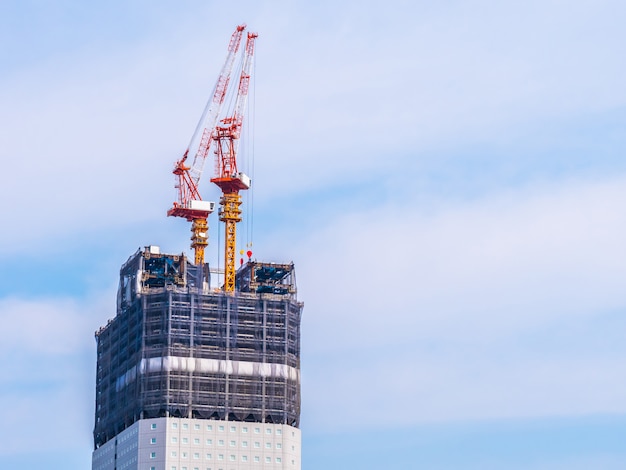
229 179
190 204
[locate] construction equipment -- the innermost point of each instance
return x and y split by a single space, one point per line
190 204
228 177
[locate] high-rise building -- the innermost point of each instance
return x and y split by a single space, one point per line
193 378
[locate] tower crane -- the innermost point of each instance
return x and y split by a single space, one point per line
228 177
190 204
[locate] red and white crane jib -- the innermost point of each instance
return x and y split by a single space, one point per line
201 140
244 83
213 108
227 134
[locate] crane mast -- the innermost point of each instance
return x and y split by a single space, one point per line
228 178
190 204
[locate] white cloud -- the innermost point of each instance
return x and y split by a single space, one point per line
529 251
415 389
47 355
90 138
473 311
46 327
369 93
459 291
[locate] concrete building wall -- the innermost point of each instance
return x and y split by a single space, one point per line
103 458
200 444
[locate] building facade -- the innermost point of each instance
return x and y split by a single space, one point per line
190 378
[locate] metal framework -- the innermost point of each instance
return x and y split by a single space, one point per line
230 214
228 177
190 204
176 348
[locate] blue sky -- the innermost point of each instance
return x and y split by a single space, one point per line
447 176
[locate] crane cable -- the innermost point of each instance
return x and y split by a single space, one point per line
251 164
249 160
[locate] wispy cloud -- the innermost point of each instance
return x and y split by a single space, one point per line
96 131
422 304
47 356
504 299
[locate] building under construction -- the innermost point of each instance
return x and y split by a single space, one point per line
190 377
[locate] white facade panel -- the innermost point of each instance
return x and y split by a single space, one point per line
200 444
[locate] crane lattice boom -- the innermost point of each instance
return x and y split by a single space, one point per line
190 204
229 179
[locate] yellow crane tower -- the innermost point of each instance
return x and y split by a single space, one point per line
228 178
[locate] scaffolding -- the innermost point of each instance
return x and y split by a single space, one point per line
177 348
